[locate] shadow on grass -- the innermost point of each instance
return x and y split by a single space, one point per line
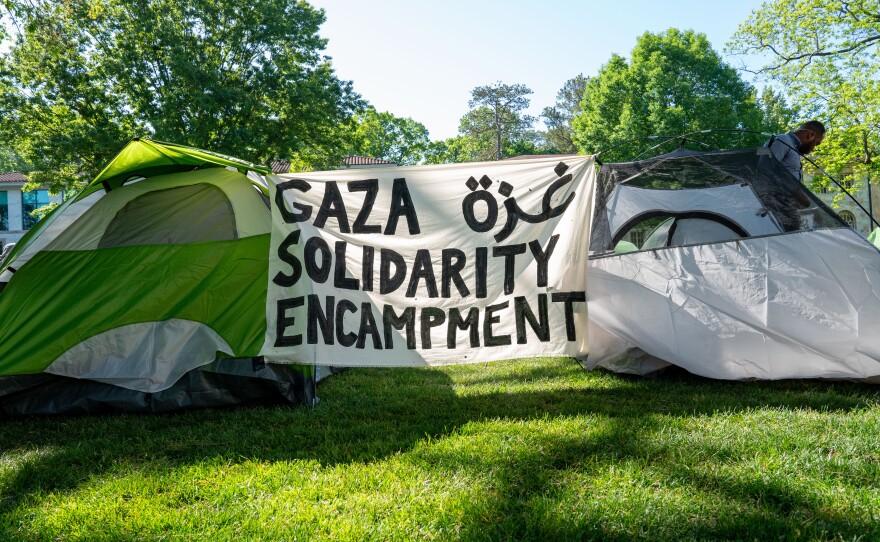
369 414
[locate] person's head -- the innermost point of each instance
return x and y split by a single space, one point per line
811 133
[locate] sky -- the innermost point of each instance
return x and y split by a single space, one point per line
421 59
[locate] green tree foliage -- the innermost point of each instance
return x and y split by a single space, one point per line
531 142
777 116
80 77
382 135
673 84
558 118
496 119
453 150
825 54
58 112
464 148
11 161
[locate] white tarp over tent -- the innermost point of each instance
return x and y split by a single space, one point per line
798 305
747 276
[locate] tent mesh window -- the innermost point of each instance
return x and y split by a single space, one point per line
186 214
701 176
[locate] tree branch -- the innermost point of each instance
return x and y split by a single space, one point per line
857 45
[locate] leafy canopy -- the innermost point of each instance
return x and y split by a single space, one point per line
79 77
826 56
558 118
383 135
673 84
453 150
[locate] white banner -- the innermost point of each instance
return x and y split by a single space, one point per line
430 265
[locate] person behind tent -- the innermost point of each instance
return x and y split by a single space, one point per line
788 148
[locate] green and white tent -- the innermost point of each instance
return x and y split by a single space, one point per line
874 237
146 291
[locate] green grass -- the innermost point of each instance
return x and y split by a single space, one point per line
521 450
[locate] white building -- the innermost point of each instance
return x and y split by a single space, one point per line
16 206
848 210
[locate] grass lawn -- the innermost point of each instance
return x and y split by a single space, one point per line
520 450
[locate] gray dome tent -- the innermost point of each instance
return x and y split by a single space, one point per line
724 264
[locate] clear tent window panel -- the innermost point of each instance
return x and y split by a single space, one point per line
735 194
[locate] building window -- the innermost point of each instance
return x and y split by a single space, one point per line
30 201
4 211
637 237
821 188
849 218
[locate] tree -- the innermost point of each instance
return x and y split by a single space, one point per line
803 34
530 142
558 118
249 80
776 115
464 148
674 83
11 161
382 135
453 150
826 54
496 119
58 113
